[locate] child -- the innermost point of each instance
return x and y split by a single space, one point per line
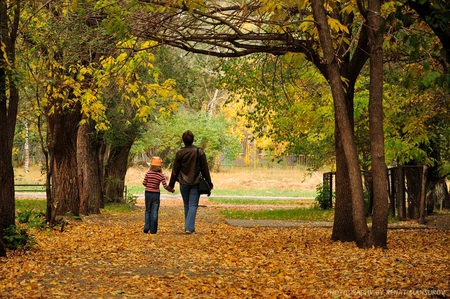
153 178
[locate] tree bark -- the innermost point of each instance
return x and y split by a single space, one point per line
9 102
89 171
2 245
343 229
62 140
376 131
362 233
115 171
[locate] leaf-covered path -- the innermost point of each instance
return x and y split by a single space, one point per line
108 256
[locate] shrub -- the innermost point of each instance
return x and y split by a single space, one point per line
17 238
31 218
323 197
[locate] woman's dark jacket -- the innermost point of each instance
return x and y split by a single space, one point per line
186 168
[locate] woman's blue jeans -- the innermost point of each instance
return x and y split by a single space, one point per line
191 198
152 201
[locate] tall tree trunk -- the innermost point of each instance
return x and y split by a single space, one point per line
343 229
115 171
2 245
362 233
90 182
49 217
379 170
62 140
8 114
102 161
26 150
7 204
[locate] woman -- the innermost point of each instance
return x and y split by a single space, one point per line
189 162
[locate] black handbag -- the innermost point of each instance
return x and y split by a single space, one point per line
203 186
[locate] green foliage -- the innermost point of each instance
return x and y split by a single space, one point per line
284 100
323 197
31 218
212 133
17 238
31 213
195 75
131 199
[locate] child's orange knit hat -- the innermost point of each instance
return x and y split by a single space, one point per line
156 161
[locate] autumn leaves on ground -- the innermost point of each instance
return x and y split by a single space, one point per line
108 256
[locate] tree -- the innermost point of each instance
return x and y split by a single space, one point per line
195 75
292 101
278 28
274 27
9 102
372 14
437 15
134 95
343 126
76 78
90 168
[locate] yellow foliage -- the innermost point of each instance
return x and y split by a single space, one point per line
336 26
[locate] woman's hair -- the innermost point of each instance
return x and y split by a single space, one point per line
155 168
188 138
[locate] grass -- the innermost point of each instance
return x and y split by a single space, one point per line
298 214
239 201
135 189
303 214
37 205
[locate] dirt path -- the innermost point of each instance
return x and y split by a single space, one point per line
108 256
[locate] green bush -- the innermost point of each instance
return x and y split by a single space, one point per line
17 238
31 218
323 197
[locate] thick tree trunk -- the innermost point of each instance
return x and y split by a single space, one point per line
90 182
343 229
379 170
362 233
7 203
115 171
62 136
9 102
2 245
